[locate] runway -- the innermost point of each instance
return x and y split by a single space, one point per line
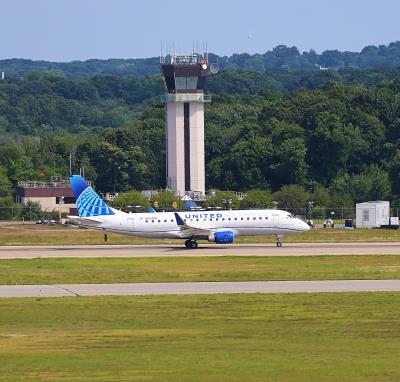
132 289
209 250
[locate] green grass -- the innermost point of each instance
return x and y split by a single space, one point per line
29 234
158 269
256 337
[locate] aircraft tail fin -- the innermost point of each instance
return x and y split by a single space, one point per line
88 202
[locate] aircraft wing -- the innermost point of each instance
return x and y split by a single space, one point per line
76 220
190 231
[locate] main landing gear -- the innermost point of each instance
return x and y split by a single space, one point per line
279 240
192 244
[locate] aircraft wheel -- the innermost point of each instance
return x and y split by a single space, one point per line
279 244
188 243
194 245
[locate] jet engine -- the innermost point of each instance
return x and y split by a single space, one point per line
225 237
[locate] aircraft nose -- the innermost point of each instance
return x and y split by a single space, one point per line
304 226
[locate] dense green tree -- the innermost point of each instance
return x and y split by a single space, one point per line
292 196
167 200
329 145
31 211
394 173
247 161
5 185
257 199
321 197
372 184
130 198
223 199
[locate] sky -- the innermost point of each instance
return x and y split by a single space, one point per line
67 30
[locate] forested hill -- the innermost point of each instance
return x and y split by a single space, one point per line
280 57
41 103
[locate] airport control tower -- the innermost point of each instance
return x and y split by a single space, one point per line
185 77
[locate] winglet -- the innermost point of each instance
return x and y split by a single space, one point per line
179 220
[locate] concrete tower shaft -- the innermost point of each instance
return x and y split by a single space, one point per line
184 105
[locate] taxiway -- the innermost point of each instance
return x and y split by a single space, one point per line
131 289
210 250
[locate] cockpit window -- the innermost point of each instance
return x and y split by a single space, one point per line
291 216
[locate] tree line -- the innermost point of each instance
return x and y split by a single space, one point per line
281 56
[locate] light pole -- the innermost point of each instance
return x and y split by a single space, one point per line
310 207
60 202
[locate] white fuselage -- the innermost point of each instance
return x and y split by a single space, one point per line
164 224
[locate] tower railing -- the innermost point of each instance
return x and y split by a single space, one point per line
176 97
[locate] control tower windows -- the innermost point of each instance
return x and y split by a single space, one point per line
186 83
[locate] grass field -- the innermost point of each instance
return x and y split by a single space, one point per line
109 270
28 234
320 337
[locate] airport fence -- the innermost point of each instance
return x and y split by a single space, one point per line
26 214
323 213
334 213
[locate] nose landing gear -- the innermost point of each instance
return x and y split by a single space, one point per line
192 244
279 240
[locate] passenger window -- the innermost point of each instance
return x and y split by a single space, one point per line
248 218
254 218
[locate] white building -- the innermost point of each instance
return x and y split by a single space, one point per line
372 214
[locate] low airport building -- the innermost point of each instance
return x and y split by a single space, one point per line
53 196
374 214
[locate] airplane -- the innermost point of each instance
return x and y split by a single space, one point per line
220 227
